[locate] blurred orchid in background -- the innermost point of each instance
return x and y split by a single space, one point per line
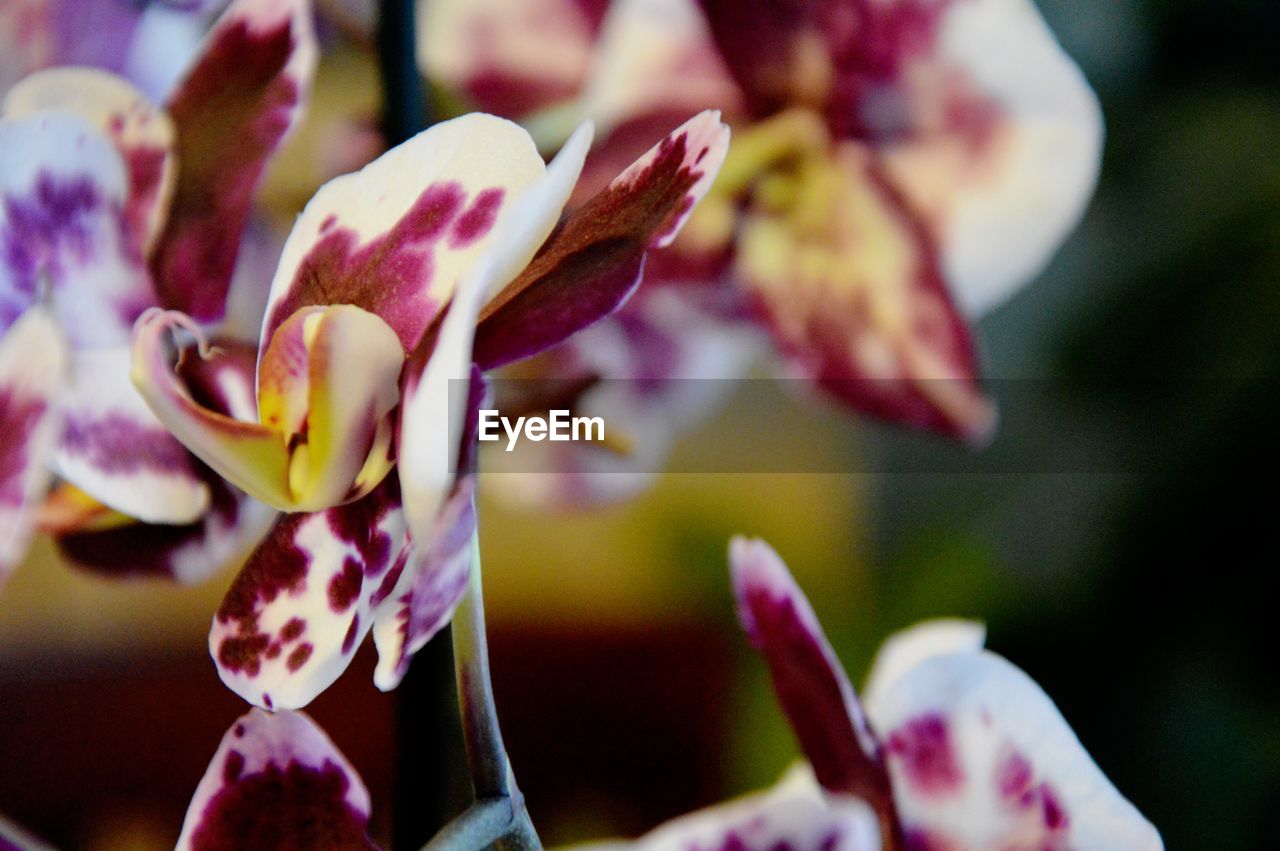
899 168
109 206
443 253
952 747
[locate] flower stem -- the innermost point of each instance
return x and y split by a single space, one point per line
498 817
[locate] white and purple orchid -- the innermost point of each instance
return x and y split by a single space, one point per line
951 748
445 252
109 206
899 168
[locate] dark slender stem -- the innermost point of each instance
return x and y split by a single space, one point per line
425 800
405 108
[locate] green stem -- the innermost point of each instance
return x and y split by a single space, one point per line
498 818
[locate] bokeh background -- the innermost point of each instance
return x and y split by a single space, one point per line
1118 538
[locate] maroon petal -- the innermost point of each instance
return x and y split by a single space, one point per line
593 263
810 683
231 111
277 782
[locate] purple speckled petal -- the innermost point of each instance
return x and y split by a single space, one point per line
980 758
593 263
810 683
277 783
405 622
396 237
33 360
114 449
192 552
296 614
63 229
141 132
237 102
794 815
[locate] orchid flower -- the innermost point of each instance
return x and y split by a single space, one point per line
951 748
899 168
443 253
111 205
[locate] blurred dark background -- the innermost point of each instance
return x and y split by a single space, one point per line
1133 589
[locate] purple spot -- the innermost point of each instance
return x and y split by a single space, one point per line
918 839
1055 816
267 701
294 807
117 445
292 630
299 656
328 223
923 745
41 229
478 219
232 768
344 587
349 639
1013 777
18 417
239 731
274 650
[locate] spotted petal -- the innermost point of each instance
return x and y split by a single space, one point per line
231 111
277 782
981 758
300 607
63 233
810 683
397 236
33 361
794 814
594 262
141 132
